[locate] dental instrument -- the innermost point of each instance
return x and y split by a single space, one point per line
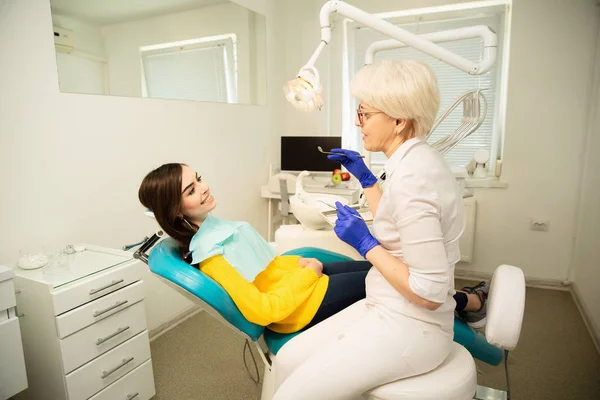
337 154
327 204
304 92
335 208
471 121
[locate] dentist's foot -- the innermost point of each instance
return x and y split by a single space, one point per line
476 317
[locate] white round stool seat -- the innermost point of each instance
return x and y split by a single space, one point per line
454 379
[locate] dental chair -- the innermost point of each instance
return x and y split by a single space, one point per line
454 379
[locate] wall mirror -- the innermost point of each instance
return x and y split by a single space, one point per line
201 50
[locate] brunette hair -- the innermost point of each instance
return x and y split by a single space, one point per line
160 192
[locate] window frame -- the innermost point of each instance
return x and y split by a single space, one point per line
229 43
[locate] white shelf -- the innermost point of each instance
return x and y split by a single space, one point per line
81 265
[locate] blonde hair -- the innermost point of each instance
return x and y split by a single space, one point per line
401 89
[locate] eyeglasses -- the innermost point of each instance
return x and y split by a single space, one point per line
361 115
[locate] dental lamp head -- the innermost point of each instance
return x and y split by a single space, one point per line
304 92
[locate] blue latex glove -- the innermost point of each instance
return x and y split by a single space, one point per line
352 229
356 166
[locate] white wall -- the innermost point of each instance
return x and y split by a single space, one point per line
70 165
586 258
123 42
549 83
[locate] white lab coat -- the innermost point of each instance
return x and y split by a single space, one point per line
386 337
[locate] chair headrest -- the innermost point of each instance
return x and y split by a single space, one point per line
506 305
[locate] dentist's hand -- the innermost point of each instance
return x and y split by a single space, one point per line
352 229
355 165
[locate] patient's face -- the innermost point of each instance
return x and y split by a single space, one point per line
196 199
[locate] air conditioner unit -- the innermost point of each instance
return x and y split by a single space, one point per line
64 39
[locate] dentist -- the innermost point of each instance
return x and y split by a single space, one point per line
404 327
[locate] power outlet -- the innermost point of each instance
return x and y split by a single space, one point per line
539 225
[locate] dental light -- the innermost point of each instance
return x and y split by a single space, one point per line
304 92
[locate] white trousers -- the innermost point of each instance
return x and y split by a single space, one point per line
356 350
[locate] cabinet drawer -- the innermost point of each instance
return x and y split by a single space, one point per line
108 368
102 336
97 310
80 292
136 385
13 377
7 295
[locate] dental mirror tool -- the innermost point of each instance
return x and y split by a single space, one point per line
339 154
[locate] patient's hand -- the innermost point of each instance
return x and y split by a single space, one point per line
313 264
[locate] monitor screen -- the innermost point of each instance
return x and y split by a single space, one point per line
299 153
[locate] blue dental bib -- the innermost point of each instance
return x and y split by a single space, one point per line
243 248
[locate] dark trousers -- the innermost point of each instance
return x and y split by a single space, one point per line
461 301
346 287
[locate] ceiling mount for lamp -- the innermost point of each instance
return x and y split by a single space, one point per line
304 92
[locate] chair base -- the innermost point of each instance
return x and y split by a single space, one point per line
268 384
486 393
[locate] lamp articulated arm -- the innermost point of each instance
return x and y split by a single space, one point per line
421 43
304 92
490 44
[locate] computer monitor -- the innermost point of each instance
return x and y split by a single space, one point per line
299 153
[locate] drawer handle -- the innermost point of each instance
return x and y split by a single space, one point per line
106 374
113 283
132 396
118 332
117 304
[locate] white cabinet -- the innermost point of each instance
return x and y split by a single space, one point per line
84 329
13 378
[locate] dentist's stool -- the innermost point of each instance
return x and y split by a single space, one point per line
456 378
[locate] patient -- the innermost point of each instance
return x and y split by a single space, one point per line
291 293
284 293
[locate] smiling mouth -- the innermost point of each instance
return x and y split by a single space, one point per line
208 198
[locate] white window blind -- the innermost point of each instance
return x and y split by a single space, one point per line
201 73
452 81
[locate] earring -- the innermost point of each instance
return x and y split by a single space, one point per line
186 221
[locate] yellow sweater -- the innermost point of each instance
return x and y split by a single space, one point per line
284 297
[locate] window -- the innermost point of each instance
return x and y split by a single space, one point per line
201 69
452 82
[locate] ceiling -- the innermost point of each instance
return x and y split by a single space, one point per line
103 12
